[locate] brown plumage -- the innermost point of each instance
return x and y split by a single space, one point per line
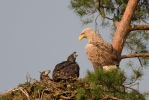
44 75
66 70
99 52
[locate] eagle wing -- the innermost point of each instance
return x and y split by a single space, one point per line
71 71
62 65
99 55
99 52
66 70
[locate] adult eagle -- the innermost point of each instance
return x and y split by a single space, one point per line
100 53
66 70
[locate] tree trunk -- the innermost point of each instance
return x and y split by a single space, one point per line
123 28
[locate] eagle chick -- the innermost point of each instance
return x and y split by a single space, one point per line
66 70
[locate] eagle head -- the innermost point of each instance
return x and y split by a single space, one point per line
86 33
72 57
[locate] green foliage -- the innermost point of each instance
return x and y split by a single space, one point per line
6 97
108 9
109 84
17 95
106 85
138 73
84 8
113 10
137 42
33 90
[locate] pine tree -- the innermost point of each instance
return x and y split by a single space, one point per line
129 21
107 85
129 17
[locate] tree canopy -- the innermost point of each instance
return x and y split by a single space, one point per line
129 20
109 10
133 14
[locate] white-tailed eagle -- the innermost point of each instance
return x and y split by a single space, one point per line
99 52
66 70
44 75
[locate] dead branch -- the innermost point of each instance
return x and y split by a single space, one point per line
24 92
42 93
16 89
140 61
28 77
109 18
63 90
139 27
135 55
69 97
136 92
10 90
107 97
133 85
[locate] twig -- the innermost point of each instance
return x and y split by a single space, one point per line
10 90
43 93
136 92
109 18
107 97
64 97
133 85
28 76
66 92
96 24
140 61
25 93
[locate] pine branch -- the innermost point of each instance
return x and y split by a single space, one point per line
139 27
135 55
109 7
109 18
101 12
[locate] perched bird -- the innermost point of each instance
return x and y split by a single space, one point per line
44 75
99 52
66 70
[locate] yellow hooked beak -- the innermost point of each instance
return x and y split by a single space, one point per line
81 37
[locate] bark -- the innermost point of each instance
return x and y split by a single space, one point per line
135 55
123 27
139 27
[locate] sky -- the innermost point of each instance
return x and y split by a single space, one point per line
35 35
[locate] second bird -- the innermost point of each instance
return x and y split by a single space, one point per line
66 70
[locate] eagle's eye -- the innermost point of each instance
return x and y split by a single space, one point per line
82 33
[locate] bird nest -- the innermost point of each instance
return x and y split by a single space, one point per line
44 89
109 86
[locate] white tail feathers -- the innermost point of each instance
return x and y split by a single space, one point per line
109 67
